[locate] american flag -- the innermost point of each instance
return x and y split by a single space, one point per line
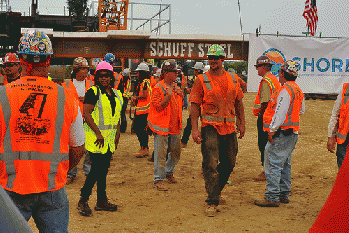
310 14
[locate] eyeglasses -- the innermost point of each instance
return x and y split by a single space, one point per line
216 58
10 64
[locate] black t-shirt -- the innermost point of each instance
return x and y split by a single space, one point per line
91 98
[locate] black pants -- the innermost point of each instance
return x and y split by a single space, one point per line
187 131
123 125
99 169
262 138
219 157
140 123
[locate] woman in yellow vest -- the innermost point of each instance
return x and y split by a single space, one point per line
141 100
102 107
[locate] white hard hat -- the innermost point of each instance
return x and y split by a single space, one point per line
199 66
157 73
126 71
143 66
206 68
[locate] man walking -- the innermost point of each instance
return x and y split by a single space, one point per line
40 120
268 85
220 96
281 121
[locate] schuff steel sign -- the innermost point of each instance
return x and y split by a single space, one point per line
192 50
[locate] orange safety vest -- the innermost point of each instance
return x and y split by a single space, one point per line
70 85
144 104
118 79
127 89
159 122
153 81
217 110
91 78
184 83
274 85
35 117
292 117
343 126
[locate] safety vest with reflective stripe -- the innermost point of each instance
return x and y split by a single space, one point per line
70 85
274 85
292 117
217 109
343 120
118 78
106 122
144 104
159 121
36 115
127 90
153 81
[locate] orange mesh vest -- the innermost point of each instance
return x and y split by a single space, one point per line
118 79
274 85
35 118
152 81
144 104
292 117
343 125
70 85
159 122
217 109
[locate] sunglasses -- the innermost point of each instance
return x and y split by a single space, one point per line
216 58
104 76
10 64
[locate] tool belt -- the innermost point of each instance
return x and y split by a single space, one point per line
286 132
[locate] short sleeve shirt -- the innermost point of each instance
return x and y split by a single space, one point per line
197 96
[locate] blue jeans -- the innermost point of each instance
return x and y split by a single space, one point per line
162 144
341 151
185 103
50 210
277 166
86 166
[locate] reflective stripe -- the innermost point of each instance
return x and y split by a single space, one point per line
207 82
290 110
162 88
346 95
127 91
290 124
67 83
91 83
271 84
257 106
265 125
341 136
218 119
158 128
9 156
145 108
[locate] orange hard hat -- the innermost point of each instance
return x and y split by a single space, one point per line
11 58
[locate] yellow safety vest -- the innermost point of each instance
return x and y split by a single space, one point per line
106 122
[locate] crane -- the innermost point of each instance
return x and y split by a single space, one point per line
113 15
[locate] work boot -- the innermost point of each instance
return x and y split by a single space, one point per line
171 179
105 205
284 200
266 203
211 210
260 177
84 208
222 201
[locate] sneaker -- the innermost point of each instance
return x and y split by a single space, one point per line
211 210
84 208
70 179
171 179
260 177
105 205
159 185
284 200
266 203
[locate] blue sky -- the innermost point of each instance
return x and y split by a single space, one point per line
222 17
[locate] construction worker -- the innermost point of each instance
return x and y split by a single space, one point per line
338 126
79 85
198 69
93 67
220 97
141 99
267 86
165 120
126 73
40 121
102 108
12 68
281 121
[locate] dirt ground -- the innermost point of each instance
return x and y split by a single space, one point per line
182 209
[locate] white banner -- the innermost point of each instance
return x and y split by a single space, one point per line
324 62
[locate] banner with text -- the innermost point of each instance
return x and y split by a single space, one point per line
324 62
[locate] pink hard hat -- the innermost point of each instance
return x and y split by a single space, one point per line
104 66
